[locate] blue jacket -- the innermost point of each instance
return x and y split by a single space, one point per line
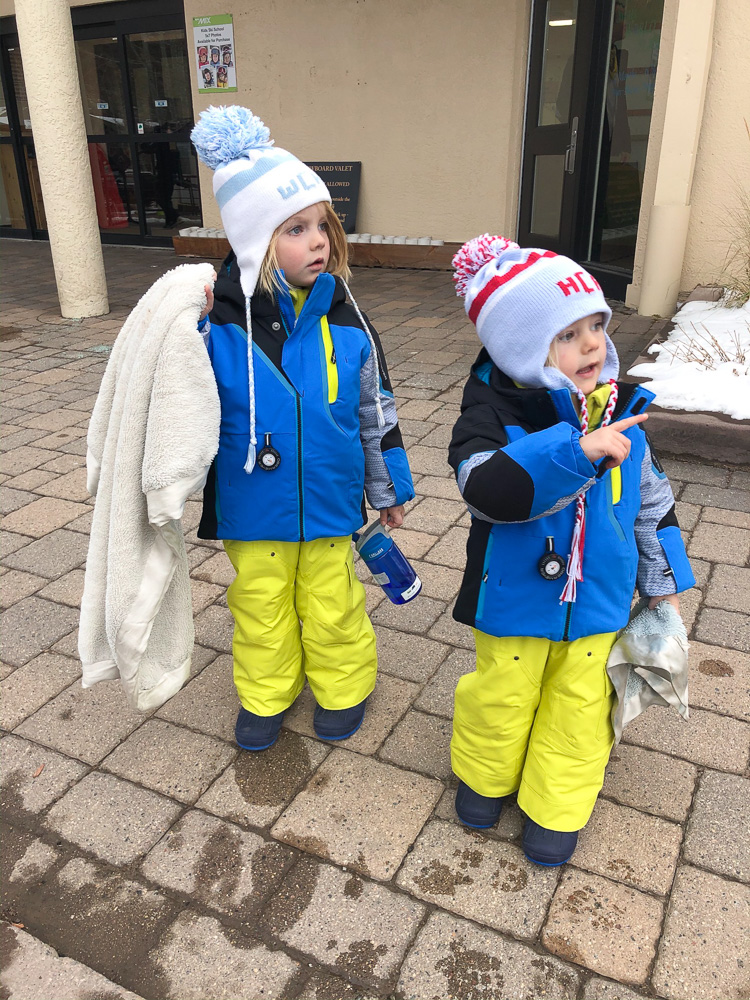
314 395
520 466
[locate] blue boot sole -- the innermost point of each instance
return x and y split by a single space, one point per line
543 841
338 716
344 736
548 864
491 807
254 724
244 746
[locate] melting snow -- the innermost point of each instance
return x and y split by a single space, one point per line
705 362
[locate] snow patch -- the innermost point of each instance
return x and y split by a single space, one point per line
705 362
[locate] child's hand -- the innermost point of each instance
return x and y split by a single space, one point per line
209 301
609 442
672 598
393 517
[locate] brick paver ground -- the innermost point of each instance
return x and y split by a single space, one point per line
144 856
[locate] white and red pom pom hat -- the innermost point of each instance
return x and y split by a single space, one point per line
519 299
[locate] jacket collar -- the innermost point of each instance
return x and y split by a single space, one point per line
536 408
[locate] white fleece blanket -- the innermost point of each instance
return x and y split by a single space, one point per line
153 434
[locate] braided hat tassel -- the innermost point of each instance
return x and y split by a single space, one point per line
574 566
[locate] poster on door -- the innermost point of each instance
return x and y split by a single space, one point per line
213 45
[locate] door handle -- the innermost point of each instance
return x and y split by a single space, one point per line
570 152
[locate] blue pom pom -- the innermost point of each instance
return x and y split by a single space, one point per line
227 133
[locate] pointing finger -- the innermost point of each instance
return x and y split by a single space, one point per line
622 425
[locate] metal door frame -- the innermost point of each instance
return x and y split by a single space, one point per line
587 97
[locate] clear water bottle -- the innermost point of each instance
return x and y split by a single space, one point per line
387 563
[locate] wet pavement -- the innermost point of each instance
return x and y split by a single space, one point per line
145 856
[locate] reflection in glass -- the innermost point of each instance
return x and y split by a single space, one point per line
169 186
19 86
101 86
546 199
4 122
631 73
11 206
32 172
159 81
114 190
557 65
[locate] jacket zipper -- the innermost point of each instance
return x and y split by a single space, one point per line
485 576
568 613
298 429
300 501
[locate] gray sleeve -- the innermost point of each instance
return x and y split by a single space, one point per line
655 577
379 489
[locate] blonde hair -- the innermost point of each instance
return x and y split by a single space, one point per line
551 361
269 279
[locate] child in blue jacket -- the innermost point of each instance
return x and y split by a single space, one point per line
308 422
571 511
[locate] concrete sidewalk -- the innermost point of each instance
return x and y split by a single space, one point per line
159 862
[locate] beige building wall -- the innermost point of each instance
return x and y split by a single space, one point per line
429 95
721 168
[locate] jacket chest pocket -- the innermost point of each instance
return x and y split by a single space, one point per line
331 361
343 353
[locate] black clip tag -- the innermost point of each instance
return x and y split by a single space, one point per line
551 565
268 458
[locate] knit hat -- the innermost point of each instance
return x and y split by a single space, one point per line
258 186
520 299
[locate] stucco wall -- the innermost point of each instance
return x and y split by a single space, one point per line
427 94
722 159
656 133
722 168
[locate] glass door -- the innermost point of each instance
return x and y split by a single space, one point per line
21 205
592 67
135 89
136 96
557 121
626 121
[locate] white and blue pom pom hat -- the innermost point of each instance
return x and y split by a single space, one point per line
257 186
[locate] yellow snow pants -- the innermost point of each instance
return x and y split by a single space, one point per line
534 717
299 611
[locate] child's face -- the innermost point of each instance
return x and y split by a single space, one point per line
303 246
579 351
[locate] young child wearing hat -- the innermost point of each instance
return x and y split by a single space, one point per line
571 511
308 422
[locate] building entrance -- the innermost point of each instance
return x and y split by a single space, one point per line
592 67
135 88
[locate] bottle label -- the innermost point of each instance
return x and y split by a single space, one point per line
414 589
381 578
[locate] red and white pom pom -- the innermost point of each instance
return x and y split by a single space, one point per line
474 255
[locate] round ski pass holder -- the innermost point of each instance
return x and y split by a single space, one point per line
551 565
268 458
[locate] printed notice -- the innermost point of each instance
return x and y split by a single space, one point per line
213 44
342 180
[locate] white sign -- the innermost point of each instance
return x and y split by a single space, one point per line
213 44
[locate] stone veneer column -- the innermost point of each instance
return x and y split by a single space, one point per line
45 35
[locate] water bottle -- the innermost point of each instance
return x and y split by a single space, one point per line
387 563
